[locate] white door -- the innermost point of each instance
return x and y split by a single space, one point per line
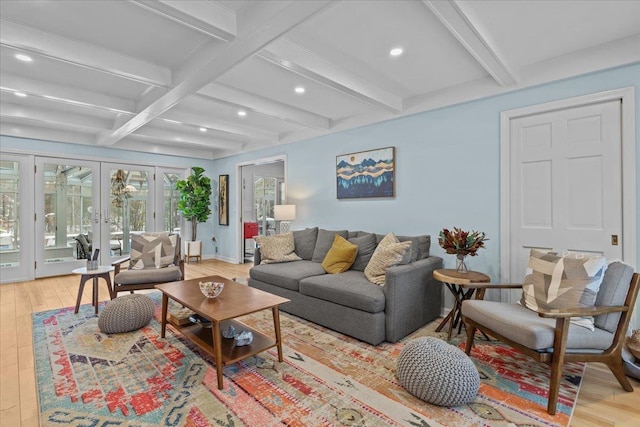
566 183
67 205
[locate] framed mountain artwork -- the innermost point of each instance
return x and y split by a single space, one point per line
366 174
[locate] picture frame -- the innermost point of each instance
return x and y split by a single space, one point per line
366 174
223 200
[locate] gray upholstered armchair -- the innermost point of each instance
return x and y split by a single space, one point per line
548 336
155 258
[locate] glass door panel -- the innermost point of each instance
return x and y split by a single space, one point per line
265 198
169 220
15 262
128 207
66 221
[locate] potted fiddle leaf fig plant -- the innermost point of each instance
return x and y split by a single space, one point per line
194 205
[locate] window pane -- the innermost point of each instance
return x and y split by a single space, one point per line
9 214
67 210
128 212
171 197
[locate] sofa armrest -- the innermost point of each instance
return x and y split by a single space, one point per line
412 297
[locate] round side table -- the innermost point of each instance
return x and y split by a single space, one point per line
102 271
461 286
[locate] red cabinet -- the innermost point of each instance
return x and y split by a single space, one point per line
250 230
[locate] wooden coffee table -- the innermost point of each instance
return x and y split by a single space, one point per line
235 300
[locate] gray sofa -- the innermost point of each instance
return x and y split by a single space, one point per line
347 302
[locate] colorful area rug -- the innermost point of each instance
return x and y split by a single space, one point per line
85 377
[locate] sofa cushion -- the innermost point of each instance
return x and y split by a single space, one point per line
419 246
286 275
340 257
305 242
278 248
532 330
350 289
389 252
366 247
556 281
324 242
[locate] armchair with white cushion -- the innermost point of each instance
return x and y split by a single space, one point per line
155 258
548 334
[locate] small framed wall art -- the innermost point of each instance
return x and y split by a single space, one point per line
223 200
366 174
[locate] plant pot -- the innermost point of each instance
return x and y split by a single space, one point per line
193 249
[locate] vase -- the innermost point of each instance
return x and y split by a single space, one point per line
461 265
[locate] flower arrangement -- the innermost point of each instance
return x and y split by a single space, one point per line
461 243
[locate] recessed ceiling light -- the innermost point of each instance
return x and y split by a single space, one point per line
299 89
20 94
242 113
203 129
23 57
396 51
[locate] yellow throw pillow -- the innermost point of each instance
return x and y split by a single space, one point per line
389 252
278 248
340 257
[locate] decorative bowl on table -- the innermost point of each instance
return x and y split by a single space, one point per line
211 289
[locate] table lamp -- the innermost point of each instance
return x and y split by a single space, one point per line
284 214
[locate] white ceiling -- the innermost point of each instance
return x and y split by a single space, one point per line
146 75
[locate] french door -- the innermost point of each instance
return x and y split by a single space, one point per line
82 206
77 206
16 231
66 207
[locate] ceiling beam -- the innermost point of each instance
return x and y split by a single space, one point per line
198 59
28 129
195 118
290 56
66 94
461 26
153 145
38 42
237 98
177 137
266 22
15 111
203 16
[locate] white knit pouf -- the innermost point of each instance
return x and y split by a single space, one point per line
126 313
437 372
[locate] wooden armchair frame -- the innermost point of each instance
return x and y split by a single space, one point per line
612 356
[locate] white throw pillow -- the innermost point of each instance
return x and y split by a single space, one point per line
389 252
278 248
568 281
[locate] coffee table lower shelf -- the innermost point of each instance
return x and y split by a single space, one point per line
203 338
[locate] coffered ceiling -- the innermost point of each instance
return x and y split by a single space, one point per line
174 76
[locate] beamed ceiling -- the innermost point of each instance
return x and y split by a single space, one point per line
172 77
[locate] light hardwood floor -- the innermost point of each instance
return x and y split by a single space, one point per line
601 402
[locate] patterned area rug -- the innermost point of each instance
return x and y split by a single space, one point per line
85 377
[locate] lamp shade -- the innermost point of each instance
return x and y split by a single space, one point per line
284 212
